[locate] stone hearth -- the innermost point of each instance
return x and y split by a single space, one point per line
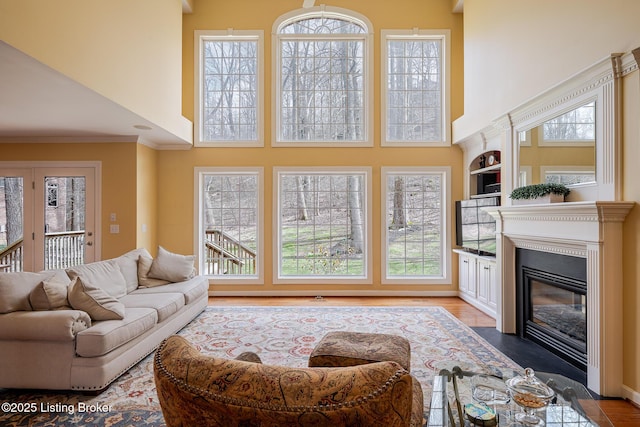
591 230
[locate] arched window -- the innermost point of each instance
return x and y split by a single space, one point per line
323 79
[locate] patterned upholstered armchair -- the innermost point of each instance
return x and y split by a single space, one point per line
198 390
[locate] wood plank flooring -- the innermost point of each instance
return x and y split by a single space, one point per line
622 413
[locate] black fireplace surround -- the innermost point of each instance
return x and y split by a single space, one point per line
551 292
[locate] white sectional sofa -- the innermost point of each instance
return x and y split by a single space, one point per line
58 332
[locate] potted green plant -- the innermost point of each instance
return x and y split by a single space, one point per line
539 193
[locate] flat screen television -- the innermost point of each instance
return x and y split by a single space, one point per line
476 229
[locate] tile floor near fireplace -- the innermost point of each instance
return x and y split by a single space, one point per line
528 354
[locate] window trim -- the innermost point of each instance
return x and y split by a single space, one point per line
368 75
199 37
445 36
199 173
367 279
445 173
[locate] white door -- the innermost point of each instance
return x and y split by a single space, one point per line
59 217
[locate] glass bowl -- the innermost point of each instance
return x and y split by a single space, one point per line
530 394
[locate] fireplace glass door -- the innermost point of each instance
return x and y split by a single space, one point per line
556 316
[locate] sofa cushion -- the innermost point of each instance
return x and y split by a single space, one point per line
166 304
105 275
50 294
15 289
192 289
105 336
144 281
172 267
128 264
96 302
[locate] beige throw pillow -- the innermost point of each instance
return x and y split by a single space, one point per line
105 275
129 266
15 289
94 301
49 294
172 267
144 281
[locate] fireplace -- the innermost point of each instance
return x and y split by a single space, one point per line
591 231
551 299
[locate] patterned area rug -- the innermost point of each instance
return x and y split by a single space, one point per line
280 335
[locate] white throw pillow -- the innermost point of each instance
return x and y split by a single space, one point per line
129 266
50 294
94 301
15 289
144 281
172 267
105 275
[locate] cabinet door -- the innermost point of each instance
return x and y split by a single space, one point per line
487 282
467 275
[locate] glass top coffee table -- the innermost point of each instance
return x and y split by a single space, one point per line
477 386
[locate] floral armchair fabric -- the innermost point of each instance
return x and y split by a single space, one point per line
195 389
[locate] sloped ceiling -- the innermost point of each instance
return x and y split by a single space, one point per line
38 103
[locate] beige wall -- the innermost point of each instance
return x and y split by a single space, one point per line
128 51
515 50
176 182
118 183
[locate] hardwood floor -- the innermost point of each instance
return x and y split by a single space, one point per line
622 413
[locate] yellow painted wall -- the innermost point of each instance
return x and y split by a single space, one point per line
118 183
146 198
536 156
128 51
631 267
176 182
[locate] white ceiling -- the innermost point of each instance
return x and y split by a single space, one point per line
38 103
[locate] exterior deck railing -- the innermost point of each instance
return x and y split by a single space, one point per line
226 255
61 250
11 257
64 249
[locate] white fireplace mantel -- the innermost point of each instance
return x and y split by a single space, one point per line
591 230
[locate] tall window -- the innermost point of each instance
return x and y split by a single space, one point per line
230 218
415 88
323 225
323 82
415 223
229 89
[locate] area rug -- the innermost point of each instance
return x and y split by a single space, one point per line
280 335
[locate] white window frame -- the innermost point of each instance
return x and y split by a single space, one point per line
571 142
367 37
444 36
200 36
445 201
367 278
567 170
199 174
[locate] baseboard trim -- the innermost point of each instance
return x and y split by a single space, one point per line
631 395
325 293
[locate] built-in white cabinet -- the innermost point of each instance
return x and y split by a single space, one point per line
477 282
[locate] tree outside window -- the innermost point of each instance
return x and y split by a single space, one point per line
323 218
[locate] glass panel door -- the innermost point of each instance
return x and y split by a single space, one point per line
64 206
